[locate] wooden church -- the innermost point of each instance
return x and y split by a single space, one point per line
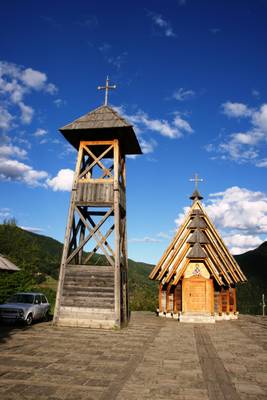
197 274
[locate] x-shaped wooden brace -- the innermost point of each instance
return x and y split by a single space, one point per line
92 233
107 171
99 238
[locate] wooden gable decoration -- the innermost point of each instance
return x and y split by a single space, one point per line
197 264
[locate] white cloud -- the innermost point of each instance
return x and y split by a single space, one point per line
236 110
172 129
146 239
12 151
16 83
244 146
259 118
5 119
40 132
239 214
32 229
34 79
163 235
255 93
262 163
147 146
118 60
239 208
62 181
183 94
5 213
182 124
13 170
239 243
143 123
59 103
161 23
26 113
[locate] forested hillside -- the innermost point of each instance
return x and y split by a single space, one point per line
39 256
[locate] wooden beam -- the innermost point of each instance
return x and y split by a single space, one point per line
117 277
172 246
168 299
67 238
227 301
160 297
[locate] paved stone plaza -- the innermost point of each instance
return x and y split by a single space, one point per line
154 358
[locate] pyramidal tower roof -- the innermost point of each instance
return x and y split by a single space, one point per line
197 240
103 123
196 196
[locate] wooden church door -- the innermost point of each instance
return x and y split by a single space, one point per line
197 295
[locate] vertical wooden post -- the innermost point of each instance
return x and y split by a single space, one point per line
227 301
160 297
175 311
168 299
220 303
67 236
117 272
124 241
210 295
234 298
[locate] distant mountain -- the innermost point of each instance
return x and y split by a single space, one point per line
254 262
254 265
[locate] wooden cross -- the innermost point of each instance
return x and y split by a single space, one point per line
196 179
106 88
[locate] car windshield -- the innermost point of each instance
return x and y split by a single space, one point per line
21 298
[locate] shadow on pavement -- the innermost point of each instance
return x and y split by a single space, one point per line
9 328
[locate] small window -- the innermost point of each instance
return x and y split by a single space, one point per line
37 299
44 299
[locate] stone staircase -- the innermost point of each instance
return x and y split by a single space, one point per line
87 297
197 318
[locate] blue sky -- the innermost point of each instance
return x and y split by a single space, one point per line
190 76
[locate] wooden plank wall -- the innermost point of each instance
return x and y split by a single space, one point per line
95 192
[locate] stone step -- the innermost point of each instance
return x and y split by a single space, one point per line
96 286
88 279
197 318
89 289
86 294
86 323
87 313
89 268
87 302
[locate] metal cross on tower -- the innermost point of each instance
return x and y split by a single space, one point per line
196 179
106 88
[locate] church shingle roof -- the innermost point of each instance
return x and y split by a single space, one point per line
103 123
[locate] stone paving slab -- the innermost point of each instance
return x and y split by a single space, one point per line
153 358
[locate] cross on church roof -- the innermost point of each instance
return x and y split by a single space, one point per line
196 179
106 88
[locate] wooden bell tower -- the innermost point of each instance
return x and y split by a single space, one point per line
93 281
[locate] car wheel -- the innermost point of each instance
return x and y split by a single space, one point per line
29 319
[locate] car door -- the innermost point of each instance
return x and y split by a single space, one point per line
37 307
44 305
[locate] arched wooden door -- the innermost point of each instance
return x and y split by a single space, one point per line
198 295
